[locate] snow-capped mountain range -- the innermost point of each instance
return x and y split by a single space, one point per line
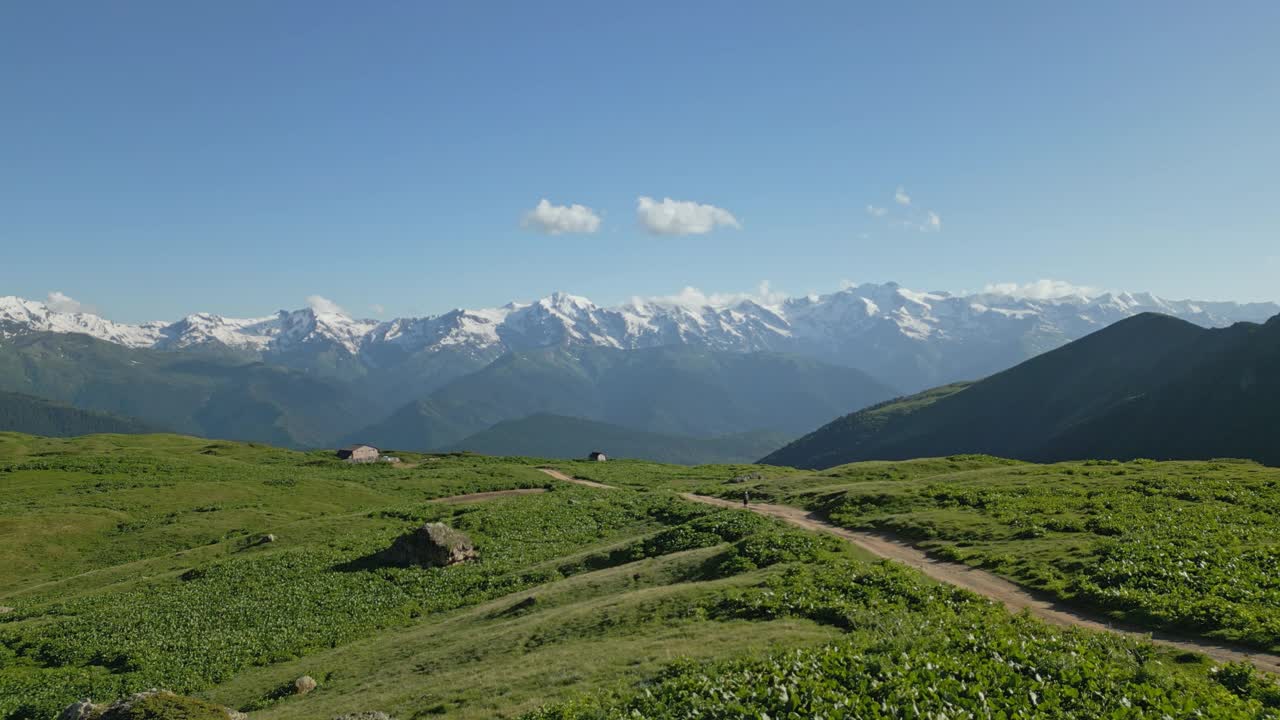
908 338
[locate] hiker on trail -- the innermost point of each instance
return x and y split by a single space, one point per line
746 498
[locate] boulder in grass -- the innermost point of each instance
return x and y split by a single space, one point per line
375 715
304 685
432 545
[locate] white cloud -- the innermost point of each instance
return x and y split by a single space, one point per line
905 216
692 297
682 217
1043 289
557 219
59 301
324 305
378 309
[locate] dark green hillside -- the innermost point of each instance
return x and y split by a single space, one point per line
37 416
1149 386
674 391
830 444
557 436
192 393
1228 406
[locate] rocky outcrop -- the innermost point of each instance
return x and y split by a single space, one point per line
149 705
82 710
432 545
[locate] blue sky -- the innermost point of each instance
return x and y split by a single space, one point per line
160 158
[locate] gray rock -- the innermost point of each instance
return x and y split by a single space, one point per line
375 715
80 710
86 709
432 545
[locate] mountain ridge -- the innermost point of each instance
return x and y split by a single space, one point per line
1149 386
907 338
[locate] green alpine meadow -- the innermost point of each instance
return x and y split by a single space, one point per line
227 572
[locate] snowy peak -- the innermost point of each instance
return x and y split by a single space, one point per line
206 329
18 316
310 327
284 330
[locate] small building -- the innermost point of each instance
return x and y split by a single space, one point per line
597 456
359 454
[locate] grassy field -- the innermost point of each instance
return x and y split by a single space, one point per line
136 561
1188 547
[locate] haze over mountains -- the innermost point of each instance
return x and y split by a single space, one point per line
673 390
557 436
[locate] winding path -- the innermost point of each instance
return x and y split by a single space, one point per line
994 587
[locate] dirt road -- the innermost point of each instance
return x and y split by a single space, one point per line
579 481
997 588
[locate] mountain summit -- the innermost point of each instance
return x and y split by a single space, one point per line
907 338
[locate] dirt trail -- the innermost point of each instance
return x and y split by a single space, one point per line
579 481
996 588
482 496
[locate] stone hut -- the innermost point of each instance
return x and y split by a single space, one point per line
597 456
359 454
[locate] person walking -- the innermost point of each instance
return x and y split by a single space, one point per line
746 498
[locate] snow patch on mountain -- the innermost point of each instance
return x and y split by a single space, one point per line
18 316
918 336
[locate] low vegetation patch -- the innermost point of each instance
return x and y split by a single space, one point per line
915 649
